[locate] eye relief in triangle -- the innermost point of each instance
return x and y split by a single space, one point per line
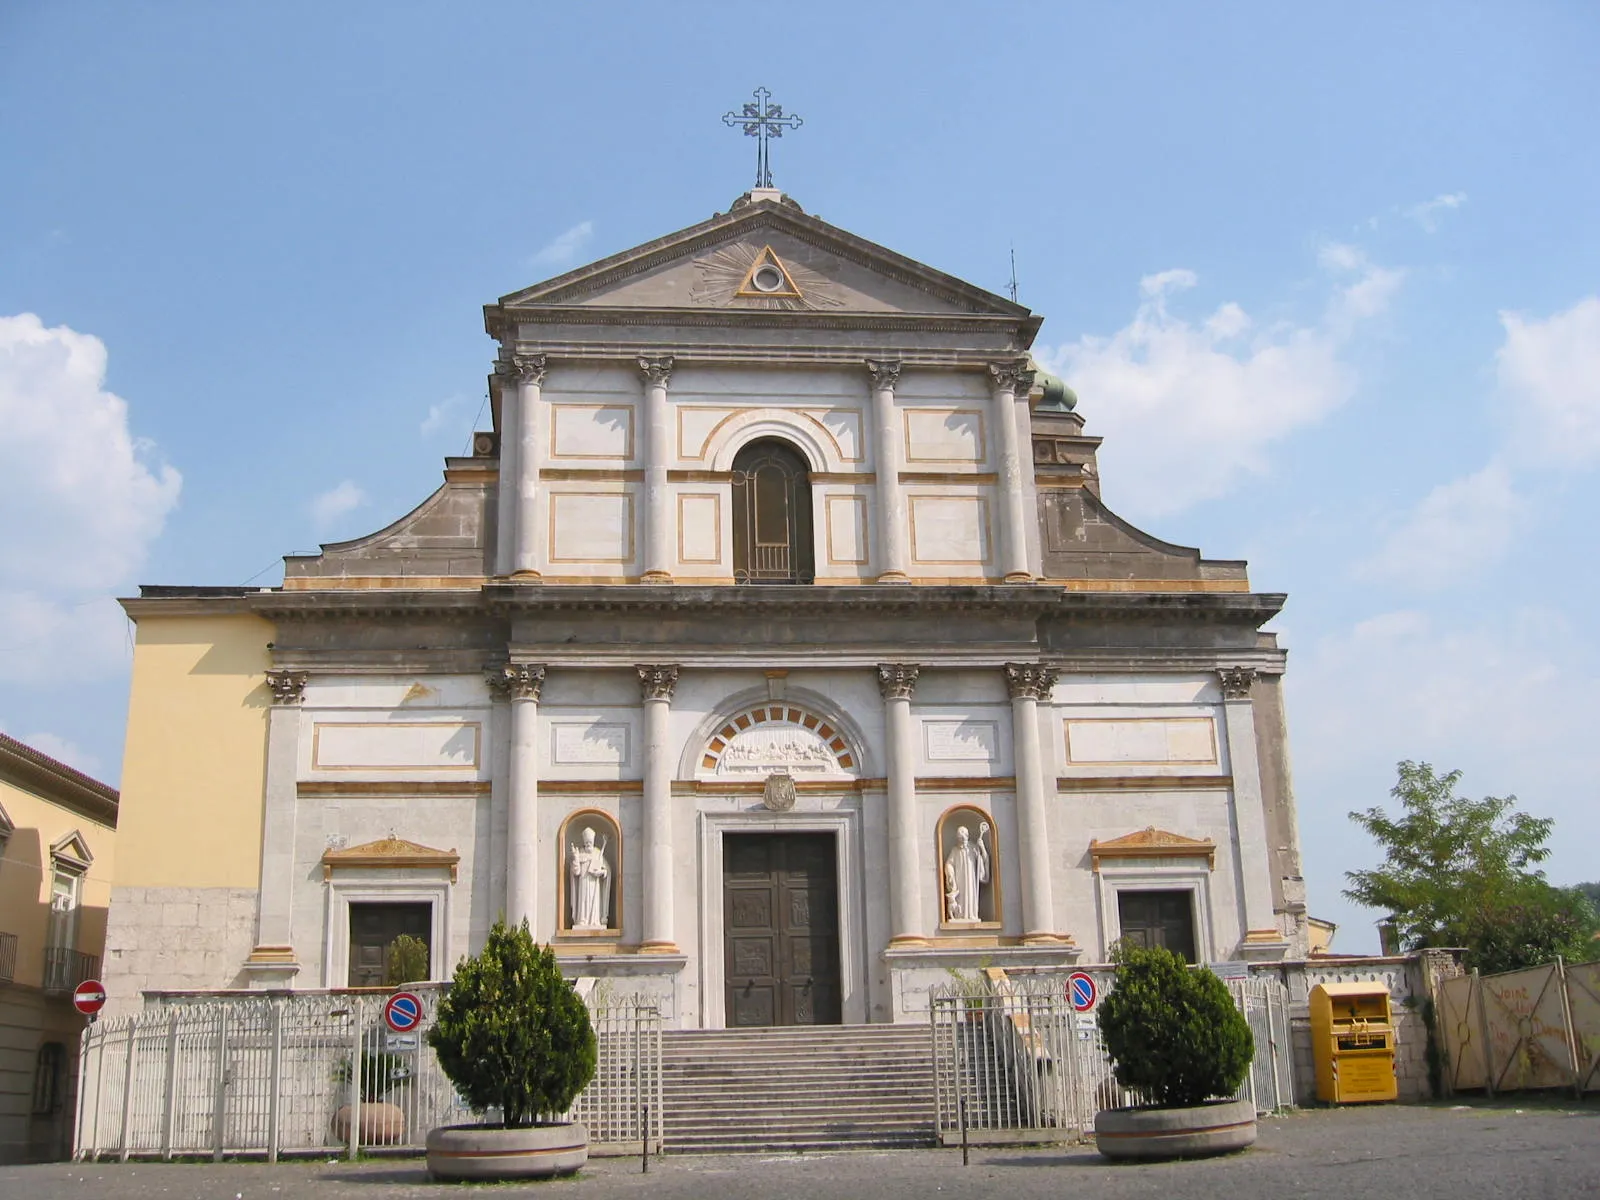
769 278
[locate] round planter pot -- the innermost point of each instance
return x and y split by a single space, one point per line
1217 1127
481 1152
382 1124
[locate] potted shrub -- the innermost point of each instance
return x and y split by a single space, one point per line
381 1123
515 1038
1174 1036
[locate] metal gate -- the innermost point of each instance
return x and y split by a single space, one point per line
302 1074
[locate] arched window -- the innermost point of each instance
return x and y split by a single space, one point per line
771 515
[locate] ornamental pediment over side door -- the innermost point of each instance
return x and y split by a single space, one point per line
772 259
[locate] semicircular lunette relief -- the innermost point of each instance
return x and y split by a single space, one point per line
778 737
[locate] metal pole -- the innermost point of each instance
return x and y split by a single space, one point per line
169 1099
83 1090
275 1081
1572 1033
355 1077
644 1141
219 1112
961 1104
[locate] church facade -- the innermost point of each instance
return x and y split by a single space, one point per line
774 656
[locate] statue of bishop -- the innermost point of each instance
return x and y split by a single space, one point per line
590 902
966 870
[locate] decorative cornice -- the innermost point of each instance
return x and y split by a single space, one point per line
656 369
897 680
1012 375
515 681
1029 681
657 681
1151 842
1236 682
50 779
288 687
389 852
885 373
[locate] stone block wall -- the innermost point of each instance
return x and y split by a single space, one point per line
175 938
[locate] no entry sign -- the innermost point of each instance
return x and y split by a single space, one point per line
403 1011
89 997
1081 990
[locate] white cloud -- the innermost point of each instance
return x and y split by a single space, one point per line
1187 407
86 500
1549 373
329 506
562 249
1427 213
442 416
1456 529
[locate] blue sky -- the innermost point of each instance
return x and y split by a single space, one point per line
1327 279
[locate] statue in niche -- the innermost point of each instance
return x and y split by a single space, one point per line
589 906
966 870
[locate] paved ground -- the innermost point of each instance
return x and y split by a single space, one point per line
1486 1152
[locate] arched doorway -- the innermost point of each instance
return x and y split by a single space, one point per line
772 515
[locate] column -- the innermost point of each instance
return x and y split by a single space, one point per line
892 523
1012 379
658 556
1028 683
272 962
1251 857
897 681
521 682
530 369
506 492
656 684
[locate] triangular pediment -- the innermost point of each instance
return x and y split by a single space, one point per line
1151 842
72 852
813 266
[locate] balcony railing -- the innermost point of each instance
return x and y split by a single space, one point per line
8 957
65 969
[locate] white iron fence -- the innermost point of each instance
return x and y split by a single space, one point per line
317 1073
1018 1063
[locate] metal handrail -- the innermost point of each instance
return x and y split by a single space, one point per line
65 969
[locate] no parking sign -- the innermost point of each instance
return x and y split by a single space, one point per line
1081 990
403 1011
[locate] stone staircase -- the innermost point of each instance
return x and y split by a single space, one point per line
821 1087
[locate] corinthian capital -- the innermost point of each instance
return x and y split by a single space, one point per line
897 680
1236 682
1029 681
288 687
1013 375
656 369
515 681
524 368
657 681
885 373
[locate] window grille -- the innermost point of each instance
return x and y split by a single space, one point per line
771 515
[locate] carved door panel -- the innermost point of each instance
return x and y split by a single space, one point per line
780 916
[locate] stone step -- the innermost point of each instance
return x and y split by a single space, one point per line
802 1144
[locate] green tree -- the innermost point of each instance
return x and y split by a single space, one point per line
512 1033
1462 872
1173 1031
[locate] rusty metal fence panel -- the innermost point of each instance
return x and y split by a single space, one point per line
1018 1063
316 1073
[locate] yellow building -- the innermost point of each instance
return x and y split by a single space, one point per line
57 835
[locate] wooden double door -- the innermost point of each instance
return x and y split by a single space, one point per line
780 912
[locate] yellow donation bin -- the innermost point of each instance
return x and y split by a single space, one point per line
1352 1042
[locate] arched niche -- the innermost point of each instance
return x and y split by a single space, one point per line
965 863
590 902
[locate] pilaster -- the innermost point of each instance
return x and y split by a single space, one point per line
272 962
1012 379
656 685
1027 683
1262 938
896 681
892 523
658 515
